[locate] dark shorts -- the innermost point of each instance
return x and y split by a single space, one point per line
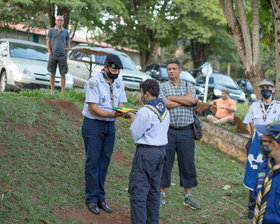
62 63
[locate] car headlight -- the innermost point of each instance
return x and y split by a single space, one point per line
242 95
25 71
253 96
217 92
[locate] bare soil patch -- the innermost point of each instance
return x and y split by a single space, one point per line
120 215
67 106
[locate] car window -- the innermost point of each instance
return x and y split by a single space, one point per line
3 48
126 61
163 72
224 80
185 75
249 86
28 51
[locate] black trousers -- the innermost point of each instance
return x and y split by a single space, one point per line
144 184
181 142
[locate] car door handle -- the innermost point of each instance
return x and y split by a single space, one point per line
78 66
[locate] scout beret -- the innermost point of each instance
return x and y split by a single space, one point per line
272 129
113 61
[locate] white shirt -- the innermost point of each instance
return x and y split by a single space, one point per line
148 130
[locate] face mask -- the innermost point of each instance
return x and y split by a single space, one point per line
111 75
143 99
264 150
266 93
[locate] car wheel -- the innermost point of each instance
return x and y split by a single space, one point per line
3 82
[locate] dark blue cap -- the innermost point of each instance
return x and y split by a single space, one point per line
113 61
272 129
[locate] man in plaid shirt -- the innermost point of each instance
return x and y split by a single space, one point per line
180 99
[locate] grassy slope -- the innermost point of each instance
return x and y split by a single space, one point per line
42 171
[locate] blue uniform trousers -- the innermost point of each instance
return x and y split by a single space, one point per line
99 138
144 184
182 142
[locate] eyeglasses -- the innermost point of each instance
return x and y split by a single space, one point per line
60 20
267 141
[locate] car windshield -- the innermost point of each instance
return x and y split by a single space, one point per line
28 51
224 80
126 61
185 75
249 86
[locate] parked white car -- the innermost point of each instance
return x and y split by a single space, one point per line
86 61
23 64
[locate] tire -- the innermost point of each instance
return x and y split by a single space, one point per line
3 82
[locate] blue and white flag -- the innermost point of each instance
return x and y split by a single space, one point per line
254 160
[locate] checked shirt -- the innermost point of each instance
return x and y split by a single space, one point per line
179 116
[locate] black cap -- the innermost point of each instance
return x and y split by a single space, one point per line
113 61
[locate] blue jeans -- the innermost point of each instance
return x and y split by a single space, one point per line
99 138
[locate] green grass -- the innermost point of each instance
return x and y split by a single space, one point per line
241 110
42 168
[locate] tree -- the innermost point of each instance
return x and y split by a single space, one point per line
276 10
248 47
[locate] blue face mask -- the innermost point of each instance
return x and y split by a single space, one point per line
265 150
266 93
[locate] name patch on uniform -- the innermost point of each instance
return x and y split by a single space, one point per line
92 84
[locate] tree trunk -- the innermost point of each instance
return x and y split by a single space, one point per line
276 10
248 48
51 13
199 52
145 58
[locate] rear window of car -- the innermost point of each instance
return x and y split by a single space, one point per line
28 51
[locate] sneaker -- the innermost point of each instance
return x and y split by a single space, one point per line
189 201
162 199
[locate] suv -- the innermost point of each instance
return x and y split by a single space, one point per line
86 61
246 86
159 72
218 82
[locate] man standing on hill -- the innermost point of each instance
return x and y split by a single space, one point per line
180 99
225 109
149 131
58 44
102 92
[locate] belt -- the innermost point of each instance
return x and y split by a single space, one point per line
180 128
148 146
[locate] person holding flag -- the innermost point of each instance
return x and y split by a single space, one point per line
261 112
267 188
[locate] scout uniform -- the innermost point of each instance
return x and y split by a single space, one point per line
267 188
149 132
99 133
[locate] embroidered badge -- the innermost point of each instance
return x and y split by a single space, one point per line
103 99
118 86
92 84
274 111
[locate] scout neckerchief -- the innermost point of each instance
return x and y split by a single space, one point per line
158 107
111 85
263 194
264 111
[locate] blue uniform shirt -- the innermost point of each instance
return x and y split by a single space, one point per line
272 211
58 41
147 129
255 114
97 90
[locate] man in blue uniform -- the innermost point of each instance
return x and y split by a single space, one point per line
149 131
267 189
261 112
58 44
180 99
102 92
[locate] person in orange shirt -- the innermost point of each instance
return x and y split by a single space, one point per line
225 109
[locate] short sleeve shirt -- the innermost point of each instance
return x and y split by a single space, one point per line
58 41
255 114
183 115
97 90
221 112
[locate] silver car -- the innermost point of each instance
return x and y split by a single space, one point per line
23 64
86 61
